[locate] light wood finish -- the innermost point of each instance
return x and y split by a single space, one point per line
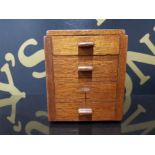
100 111
68 45
85 69
85 32
103 111
121 76
104 68
50 87
96 91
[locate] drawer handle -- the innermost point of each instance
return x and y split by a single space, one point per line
85 68
85 111
85 89
86 44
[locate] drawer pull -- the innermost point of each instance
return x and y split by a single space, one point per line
85 68
86 44
85 111
85 89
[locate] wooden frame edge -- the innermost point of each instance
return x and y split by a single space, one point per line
50 87
121 76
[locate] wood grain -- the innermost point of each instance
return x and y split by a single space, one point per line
49 79
97 91
103 45
100 88
85 32
104 68
69 111
121 76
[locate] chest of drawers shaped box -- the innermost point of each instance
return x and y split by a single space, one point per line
85 74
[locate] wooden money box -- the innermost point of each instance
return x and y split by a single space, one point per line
85 74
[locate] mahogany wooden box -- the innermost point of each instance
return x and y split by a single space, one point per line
85 74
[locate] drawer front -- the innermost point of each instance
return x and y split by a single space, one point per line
94 91
67 111
102 110
104 68
70 111
85 45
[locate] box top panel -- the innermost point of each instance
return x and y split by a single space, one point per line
85 32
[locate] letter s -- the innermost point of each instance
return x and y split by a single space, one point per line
34 59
